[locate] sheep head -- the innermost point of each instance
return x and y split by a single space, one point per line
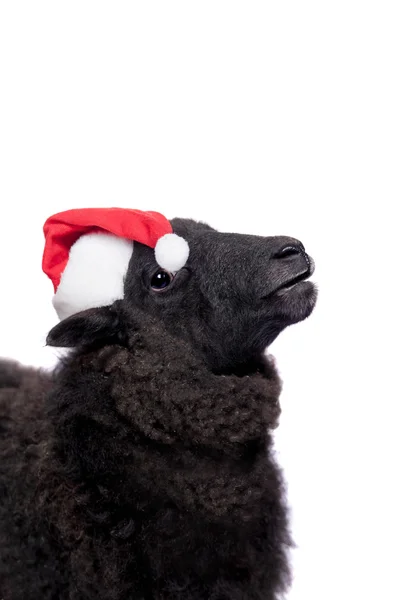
231 299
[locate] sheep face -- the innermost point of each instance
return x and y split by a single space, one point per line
235 294
232 298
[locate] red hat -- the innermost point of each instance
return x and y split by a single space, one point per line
87 253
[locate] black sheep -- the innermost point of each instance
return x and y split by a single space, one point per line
143 466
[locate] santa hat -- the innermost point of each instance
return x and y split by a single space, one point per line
87 253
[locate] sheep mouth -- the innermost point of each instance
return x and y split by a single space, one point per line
292 282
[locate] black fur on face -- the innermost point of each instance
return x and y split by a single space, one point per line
233 297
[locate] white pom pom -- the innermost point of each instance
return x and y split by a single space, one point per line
172 252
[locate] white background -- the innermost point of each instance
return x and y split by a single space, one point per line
268 118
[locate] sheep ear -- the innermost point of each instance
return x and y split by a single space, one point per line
85 328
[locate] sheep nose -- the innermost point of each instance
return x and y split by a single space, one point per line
290 250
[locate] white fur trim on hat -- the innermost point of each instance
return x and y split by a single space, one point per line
172 252
94 275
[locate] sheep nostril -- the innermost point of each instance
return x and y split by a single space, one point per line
288 251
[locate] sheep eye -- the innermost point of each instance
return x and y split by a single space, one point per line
161 280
